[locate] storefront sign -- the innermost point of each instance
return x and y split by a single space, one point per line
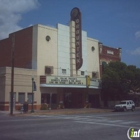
65 80
110 52
94 82
76 16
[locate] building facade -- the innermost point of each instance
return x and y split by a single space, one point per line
63 61
108 54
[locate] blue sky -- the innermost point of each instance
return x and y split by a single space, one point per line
115 23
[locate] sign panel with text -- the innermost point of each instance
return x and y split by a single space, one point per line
58 80
94 82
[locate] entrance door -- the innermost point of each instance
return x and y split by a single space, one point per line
77 100
50 99
14 101
68 100
94 100
73 100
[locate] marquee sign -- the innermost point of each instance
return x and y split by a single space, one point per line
58 80
76 16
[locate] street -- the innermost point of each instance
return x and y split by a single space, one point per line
95 126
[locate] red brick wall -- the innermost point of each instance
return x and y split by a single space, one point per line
101 72
5 52
104 56
23 49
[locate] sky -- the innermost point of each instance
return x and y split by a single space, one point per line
115 23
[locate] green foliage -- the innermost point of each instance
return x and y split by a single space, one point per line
118 79
44 107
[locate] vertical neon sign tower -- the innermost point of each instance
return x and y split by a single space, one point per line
76 17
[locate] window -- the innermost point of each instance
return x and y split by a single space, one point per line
82 73
63 71
21 97
92 48
30 98
48 38
103 66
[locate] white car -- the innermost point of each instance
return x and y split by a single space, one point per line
125 105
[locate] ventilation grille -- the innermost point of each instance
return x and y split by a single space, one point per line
48 70
95 74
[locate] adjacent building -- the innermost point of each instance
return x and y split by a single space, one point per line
108 54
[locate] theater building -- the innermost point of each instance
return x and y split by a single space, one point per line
63 62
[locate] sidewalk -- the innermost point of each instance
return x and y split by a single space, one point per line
69 111
60 111
57 111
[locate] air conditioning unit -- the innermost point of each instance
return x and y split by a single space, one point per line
49 70
95 74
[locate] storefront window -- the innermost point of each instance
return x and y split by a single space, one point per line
21 98
30 98
45 98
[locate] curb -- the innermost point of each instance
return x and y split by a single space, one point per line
63 112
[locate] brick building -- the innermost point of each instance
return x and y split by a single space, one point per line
108 54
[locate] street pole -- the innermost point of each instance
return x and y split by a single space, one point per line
50 100
12 74
87 88
32 96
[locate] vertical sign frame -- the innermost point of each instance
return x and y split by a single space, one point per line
76 16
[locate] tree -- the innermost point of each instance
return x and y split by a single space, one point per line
118 79
135 82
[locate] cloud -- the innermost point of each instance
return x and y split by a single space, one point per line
136 51
137 34
11 13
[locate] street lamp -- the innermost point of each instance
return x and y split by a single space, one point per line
32 110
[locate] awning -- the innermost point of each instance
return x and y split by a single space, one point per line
67 86
134 93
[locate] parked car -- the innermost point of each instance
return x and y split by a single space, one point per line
125 105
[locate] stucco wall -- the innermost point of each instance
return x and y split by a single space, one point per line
64 52
63 49
22 83
93 57
84 55
46 50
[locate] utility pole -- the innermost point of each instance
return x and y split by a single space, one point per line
32 110
12 74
